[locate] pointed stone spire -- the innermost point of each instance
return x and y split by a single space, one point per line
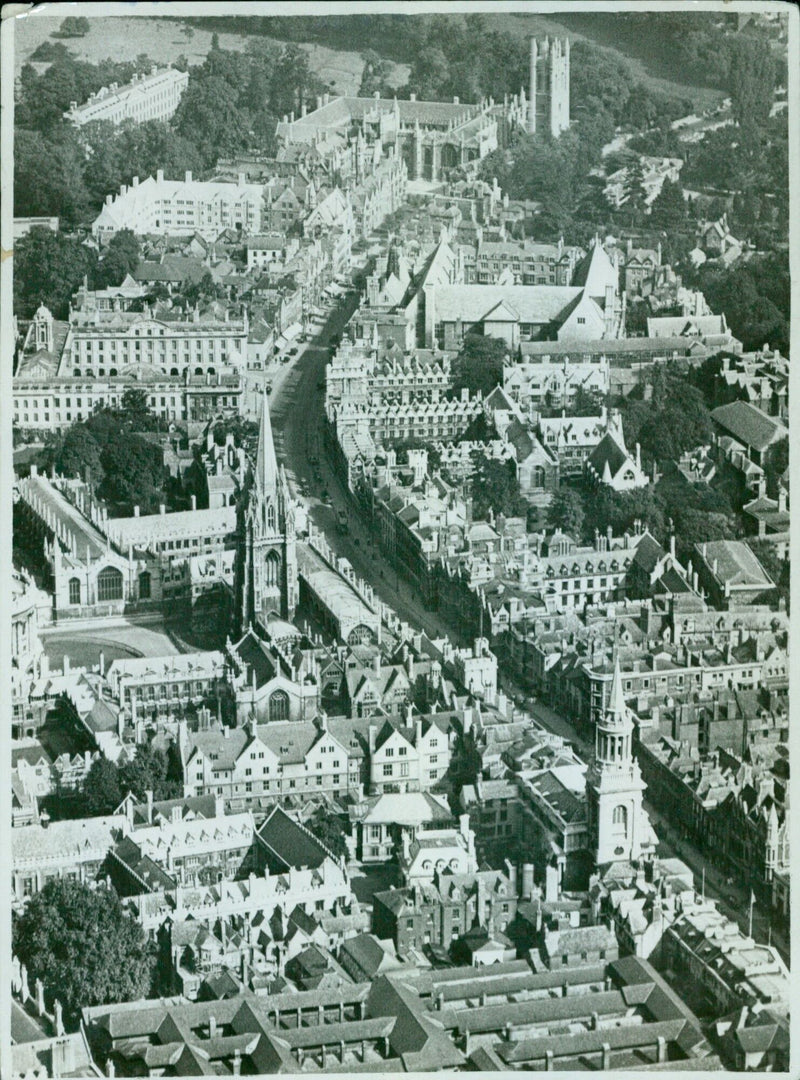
266 463
616 709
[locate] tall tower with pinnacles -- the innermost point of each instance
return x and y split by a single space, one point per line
548 99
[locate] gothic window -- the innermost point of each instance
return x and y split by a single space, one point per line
74 591
109 584
360 635
279 705
272 566
538 476
271 518
619 821
144 585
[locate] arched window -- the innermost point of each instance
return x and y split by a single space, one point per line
109 584
144 585
198 371
271 516
279 705
538 476
360 635
174 371
619 821
74 591
272 567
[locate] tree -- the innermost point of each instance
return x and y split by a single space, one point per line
633 193
668 209
83 946
49 175
329 829
147 771
374 75
479 364
495 487
48 268
775 465
134 471
121 257
78 452
135 410
698 527
751 82
566 513
74 26
102 793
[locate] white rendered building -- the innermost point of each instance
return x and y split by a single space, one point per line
153 96
181 208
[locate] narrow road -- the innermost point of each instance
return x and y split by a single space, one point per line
297 411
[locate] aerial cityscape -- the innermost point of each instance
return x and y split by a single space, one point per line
400 588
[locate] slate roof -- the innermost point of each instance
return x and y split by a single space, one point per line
255 654
648 553
290 842
749 424
608 451
736 563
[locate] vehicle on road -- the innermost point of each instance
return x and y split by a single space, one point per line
341 520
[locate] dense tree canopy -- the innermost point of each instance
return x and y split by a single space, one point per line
48 268
101 793
754 297
328 826
120 257
751 82
566 513
83 946
495 487
478 366
674 419
74 26
78 452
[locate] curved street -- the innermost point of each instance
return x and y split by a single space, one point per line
297 405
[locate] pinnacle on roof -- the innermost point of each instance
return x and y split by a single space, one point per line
616 699
266 462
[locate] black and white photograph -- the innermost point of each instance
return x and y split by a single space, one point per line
395 550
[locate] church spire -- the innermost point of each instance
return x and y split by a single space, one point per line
266 463
616 698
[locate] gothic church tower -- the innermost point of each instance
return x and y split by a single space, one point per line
266 571
548 98
619 827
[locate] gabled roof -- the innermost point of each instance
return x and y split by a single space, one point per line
608 454
290 842
749 424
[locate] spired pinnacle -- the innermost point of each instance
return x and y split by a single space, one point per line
616 699
266 462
